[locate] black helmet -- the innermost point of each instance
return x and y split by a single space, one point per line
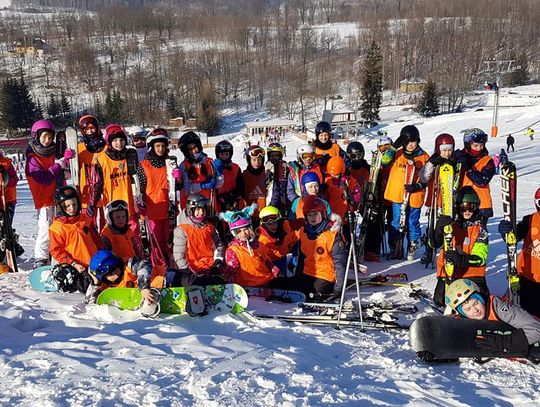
355 151
224 146
323 127
411 132
63 194
189 138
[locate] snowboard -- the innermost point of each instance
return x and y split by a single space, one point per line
41 279
449 337
276 294
225 297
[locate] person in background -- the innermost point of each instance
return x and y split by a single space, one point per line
510 140
138 139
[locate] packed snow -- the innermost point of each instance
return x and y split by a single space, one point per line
58 351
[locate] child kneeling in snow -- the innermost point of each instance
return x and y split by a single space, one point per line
466 300
117 235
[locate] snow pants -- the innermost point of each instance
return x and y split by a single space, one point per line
45 219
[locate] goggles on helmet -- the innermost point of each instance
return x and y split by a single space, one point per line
256 152
270 219
468 206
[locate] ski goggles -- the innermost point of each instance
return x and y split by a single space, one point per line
119 204
307 156
468 207
239 215
356 156
270 219
256 153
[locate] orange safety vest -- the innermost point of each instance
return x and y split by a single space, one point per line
336 195
200 249
86 158
332 151
43 195
229 178
484 193
463 241
116 181
157 191
528 263
73 239
277 249
10 193
254 188
255 266
396 181
122 243
318 261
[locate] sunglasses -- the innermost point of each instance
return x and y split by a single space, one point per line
270 219
468 207
307 156
256 153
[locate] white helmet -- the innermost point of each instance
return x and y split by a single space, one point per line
384 140
304 149
137 131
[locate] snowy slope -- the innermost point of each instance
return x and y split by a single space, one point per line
58 351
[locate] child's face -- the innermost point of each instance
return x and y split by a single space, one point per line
199 212
139 142
243 234
314 218
274 157
307 159
119 218
118 143
477 146
112 276
256 162
446 153
224 156
474 309
411 145
160 148
46 138
89 130
324 137
70 206
312 188
193 149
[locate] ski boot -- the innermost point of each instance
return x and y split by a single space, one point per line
411 251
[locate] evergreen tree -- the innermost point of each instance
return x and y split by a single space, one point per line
28 109
521 75
428 104
53 107
207 114
17 109
65 106
172 105
113 106
372 83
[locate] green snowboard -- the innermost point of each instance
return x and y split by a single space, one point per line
226 297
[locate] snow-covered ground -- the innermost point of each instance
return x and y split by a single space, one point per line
58 351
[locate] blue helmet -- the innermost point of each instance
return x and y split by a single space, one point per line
103 262
474 135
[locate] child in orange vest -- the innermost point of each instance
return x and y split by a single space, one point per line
44 174
247 260
116 235
73 235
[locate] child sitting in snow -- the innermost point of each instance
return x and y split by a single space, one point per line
116 235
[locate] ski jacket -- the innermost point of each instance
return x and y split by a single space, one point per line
361 175
479 177
280 245
249 264
44 176
297 208
395 188
469 238
196 246
296 171
501 309
154 186
10 190
342 195
510 141
528 263
195 175
254 186
322 256
74 239
87 175
113 180
122 244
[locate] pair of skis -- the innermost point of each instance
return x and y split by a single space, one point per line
402 228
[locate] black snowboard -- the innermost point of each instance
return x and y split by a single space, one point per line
448 337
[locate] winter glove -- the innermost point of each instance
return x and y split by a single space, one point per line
436 159
505 226
216 268
443 221
400 141
218 167
515 343
177 174
68 154
464 159
457 259
62 163
413 187
209 184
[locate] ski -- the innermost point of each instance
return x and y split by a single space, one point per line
9 240
446 182
398 248
369 322
425 298
428 259
172 163
508 176
375 307
72 142
276 294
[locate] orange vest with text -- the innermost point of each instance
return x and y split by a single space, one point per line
318 261
254 188
229 179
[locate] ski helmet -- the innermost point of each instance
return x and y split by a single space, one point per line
411 133
254 151
537 199
66 277
114 206
224 146
63 194
239 219
304 149
467 195
444 141
355 151
196 201
189 138
384 141
323 127
137 131
40 126
275 148
335 166
474 135
86 120
269 214
314 204
104 262
114 131
155 136
460 291
309 178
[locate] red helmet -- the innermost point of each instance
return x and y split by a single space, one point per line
444 139
113 131
314 204
537 199
86 120
335 166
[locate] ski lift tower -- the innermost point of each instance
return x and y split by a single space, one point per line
497 68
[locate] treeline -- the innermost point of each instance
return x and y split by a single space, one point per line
273 54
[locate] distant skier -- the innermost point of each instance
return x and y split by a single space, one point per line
510 140
530 133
